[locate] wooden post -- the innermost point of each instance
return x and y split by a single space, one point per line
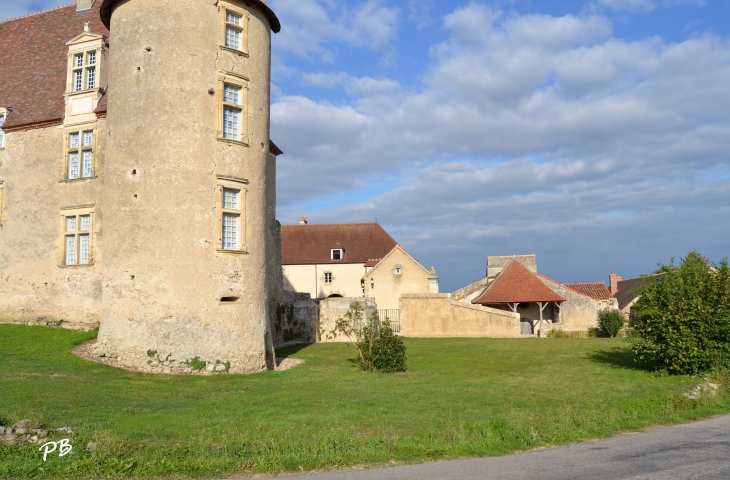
542 306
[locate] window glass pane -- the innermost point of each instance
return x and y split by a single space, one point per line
86 170
85 223
92 58
73 140
233 18
232 94
78 60
71 250
88 138
83 249
78 81
231 123
230 231
70 224
73 166
91 78
230 198
233 38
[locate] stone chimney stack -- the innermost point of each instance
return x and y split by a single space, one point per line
613 280
84 5
302 221
433 281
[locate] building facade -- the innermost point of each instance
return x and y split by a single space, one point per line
137 177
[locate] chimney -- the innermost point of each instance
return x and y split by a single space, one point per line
84 5
613 280
302 221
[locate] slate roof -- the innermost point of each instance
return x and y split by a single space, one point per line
517 284
310 244
33 62
595 290
626 289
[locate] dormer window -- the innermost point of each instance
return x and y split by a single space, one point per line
2 134
336 254
84 71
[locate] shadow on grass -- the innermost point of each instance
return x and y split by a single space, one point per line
622 357
284 352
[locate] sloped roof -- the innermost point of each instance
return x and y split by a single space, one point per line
33 62
108 5
517 284
595 290
310 244
626 289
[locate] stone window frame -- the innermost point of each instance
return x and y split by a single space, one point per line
239 81
231 183
2 187
3 118
241 11
398 269
331 278
77 211
67 150
83 69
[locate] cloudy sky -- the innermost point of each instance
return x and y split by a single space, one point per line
595 134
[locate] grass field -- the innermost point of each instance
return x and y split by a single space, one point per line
459 397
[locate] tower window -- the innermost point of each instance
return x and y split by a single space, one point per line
230 207
233 99
234 20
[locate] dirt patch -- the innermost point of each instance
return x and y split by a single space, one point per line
287 363
82 350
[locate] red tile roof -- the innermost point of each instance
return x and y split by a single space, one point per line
517 284
595 290
33 62
310 244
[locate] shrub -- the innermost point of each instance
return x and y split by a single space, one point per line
611 321
682 320
377 347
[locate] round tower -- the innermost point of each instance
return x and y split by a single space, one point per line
184 211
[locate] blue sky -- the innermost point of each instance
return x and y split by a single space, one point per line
595 134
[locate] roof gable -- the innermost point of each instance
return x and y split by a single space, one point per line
395 249
517 284
34 59
311 244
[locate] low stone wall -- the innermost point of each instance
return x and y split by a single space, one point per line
437 315
331 309
296 318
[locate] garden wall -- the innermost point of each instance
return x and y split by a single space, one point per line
437 315
331 309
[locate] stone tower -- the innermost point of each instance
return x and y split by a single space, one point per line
185 211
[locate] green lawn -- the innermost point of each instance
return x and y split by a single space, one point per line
459 397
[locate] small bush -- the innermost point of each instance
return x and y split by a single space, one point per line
378 348
611 321
560 333
196 363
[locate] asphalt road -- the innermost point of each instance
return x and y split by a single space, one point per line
699 450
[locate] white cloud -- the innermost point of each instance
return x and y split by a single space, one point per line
629 5
529 134
313 26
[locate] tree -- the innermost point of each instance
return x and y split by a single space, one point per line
682 319
377 347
